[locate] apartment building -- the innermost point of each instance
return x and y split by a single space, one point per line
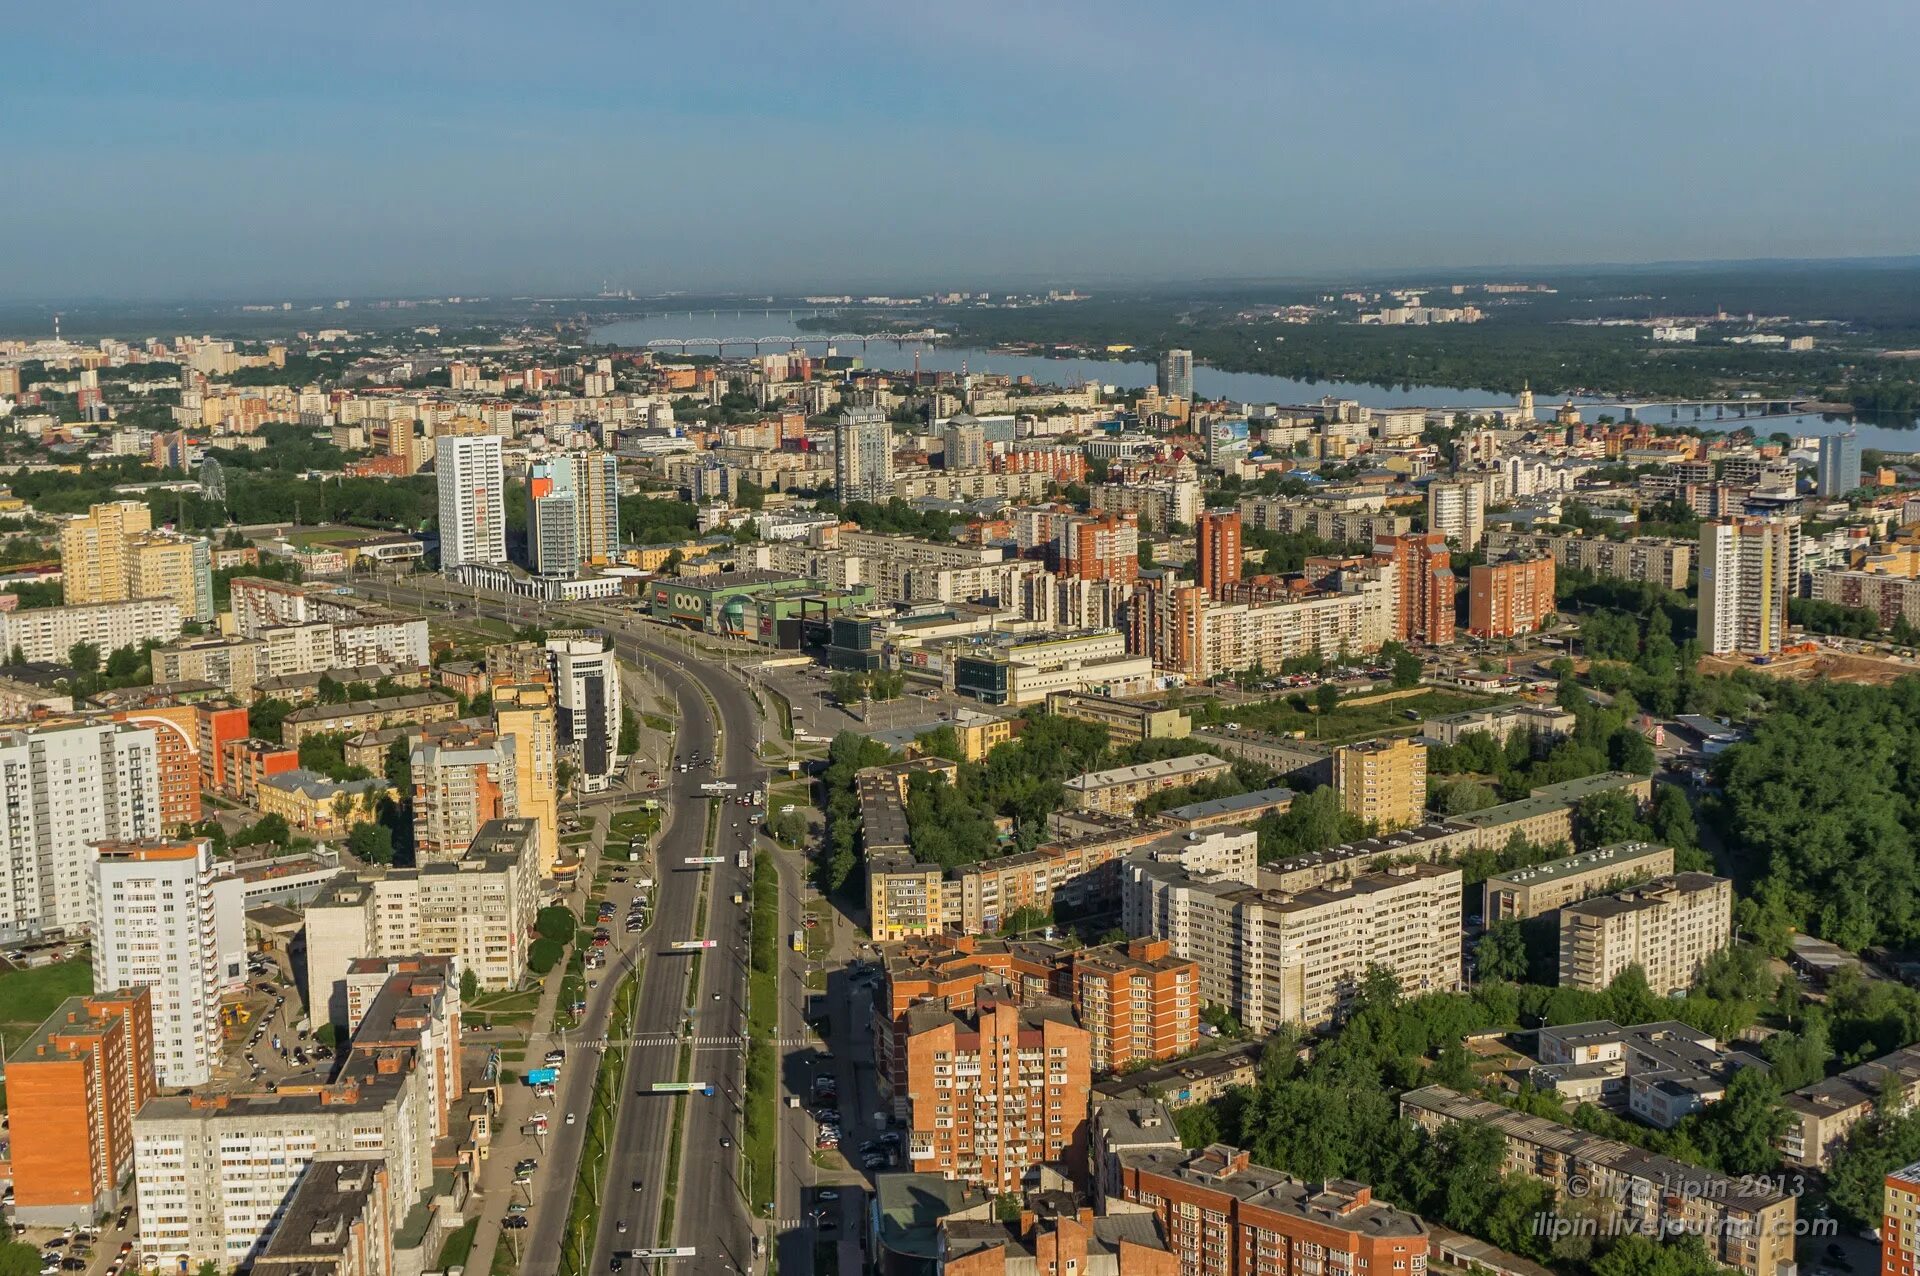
1424 586
523 713
362 632
1097 547
1327 520
1511 597
1668 927
1242 809
1744 1223
1546 723
64 786
1891 598
1225 1216
47 634
1823 1113
1137 1001
177 568
155 926
1272 956
233 664
1052 1235
1383 782
356 716
1749 567
1219 555
472 489
216 1171
73 1087
1653 559
585 675
93 550
251 763
863 454
460 782
995 1091
337 1222
479 909
1532 892
1457 510
1121 789
1126 721
1159 501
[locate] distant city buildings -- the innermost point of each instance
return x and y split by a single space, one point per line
863 455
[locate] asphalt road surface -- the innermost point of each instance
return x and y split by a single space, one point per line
710 1214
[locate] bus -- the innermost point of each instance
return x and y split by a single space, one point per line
799 941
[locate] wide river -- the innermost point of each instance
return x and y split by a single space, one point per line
1243 387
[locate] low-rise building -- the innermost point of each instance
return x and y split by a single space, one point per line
1653 559
1220 1211
1126 721
49 633
1546 723
1244 809
311 803
1824 1113
1121 789
1744 1222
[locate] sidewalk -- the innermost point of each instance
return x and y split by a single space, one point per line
518 1104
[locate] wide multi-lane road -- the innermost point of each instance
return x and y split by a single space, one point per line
710 1214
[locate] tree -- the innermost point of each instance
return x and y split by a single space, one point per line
18 1259
1326 697
1628 749
1502 951
469 985
1737 1134
84 657
555 923
1406 666
787 828
371 841
543 955
1462 797
264 717
1602 819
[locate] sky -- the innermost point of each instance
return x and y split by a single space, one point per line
305 149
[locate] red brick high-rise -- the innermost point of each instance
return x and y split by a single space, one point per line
996 1092
1218 543
1423 567
1508 598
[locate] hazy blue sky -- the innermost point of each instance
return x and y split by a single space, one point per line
355 148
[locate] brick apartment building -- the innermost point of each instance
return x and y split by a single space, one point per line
994 1092
1510 597
1225 1216
73 1088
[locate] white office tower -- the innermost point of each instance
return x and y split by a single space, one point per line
863 454
155 927
473 512
553 547
63 787
1749 567
586 691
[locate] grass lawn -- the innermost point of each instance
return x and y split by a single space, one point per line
1350 722
576 839
506 1002
454 1251
659 722
29 995
633 823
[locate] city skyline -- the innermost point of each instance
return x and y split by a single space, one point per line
1085 144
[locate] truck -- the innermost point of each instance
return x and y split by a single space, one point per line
799 941
743 860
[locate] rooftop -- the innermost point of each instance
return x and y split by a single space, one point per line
1337 1204
1192 764
1620 853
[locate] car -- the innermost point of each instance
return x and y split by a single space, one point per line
569 1118
725 1142
826 1194
874 1162
828 1223
125 1214
126 1247
525 1165
638 1185
518 1207
615 1263
716 996
621 1227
